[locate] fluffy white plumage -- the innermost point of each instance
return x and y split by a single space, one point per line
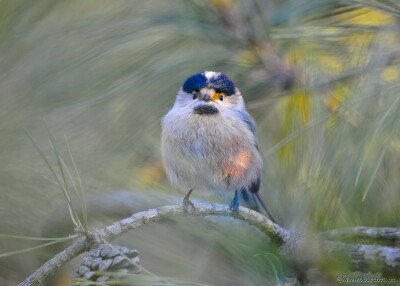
215 151
210 74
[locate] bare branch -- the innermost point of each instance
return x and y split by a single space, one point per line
367 258
292 242
110 232
378 233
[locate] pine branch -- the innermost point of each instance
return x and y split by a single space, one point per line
292 242
390 234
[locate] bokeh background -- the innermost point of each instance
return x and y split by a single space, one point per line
320 78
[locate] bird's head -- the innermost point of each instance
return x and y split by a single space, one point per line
209 93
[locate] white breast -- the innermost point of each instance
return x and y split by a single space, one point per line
198 149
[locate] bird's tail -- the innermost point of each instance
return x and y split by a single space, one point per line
262 207
254 201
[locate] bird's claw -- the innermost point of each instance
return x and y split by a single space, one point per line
188 205
234 206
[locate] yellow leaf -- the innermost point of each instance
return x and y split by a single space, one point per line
390 74
150 174
303 100
365 16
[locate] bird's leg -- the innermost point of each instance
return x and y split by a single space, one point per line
235 204
187 202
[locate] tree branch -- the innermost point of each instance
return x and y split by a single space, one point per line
389 234
388 257
367 258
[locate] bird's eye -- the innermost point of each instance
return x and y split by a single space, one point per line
221 97
194 94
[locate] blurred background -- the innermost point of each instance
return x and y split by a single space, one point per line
320 78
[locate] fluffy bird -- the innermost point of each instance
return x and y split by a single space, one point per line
209 141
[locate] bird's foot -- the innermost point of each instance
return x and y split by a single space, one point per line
234 206
188 205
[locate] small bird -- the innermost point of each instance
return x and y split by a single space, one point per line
208 141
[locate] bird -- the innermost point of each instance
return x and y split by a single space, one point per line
208 142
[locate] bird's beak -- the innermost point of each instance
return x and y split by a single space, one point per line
206 98
214 96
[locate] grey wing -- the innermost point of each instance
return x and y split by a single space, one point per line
247 120
251 195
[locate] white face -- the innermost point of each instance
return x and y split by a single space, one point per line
207 101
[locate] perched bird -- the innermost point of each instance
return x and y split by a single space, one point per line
209 141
